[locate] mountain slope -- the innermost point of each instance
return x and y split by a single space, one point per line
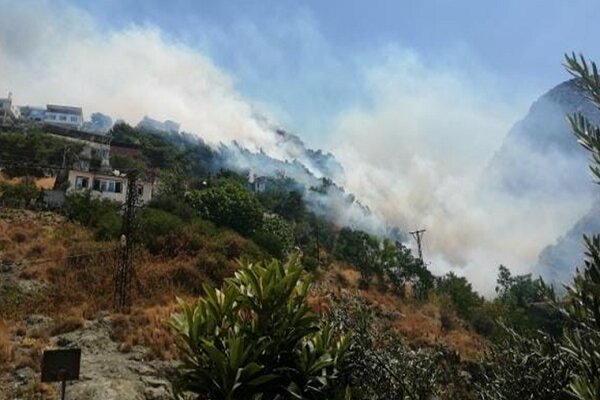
540 156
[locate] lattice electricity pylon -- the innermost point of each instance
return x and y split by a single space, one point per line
125 248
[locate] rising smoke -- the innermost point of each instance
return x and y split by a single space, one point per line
414 150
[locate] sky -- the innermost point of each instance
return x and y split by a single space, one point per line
303 60
412 97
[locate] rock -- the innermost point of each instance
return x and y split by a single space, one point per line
24 375
37 322
158 393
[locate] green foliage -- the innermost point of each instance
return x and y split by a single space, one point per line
255 339
172 183
166 151
125 163
384 367
24 154
582 340
360 249
525 368
228 205
161 230
460 291
276 236
21 194
523 304
102 215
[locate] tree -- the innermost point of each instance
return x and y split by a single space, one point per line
460 291
256 339
582 339
230 205
360 249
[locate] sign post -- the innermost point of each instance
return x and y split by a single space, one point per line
61 366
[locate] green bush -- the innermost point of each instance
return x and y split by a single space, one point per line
18 195
161 231
522 367
228 205
102 215
460 291
255 339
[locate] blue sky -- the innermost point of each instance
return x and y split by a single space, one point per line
303 60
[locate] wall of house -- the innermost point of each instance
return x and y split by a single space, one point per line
76 121
73 185
144 197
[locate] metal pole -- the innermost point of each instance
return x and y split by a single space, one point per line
64 389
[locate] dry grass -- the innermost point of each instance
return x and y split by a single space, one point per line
66 325
6 346
147 327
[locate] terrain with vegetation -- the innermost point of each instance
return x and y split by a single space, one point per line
240 293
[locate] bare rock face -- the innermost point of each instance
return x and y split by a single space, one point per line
107 373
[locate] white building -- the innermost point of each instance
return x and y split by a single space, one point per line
9 113
107 185
71 117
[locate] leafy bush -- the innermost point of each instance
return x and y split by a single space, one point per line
255 339
21 194
100 214
228 205
161 230
384 367
276 236
526 368
460 291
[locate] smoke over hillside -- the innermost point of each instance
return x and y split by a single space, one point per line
414 150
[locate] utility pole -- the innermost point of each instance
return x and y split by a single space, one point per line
125 247
418 235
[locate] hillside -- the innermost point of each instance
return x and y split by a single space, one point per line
56 288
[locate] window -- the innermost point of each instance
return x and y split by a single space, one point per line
73 119
107 185
81 182
52 116
140 190
62 117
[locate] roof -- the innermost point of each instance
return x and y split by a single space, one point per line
64 109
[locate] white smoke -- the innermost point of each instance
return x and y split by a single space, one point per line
417 154
57 54
412 152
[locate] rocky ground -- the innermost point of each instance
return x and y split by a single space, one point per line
108 370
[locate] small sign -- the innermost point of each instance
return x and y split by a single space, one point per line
61 365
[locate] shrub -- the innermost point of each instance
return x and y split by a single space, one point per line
228 205
100 214
256 339
21 194
161 230
525 368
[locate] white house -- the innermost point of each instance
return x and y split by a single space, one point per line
67 116
112 186
9 113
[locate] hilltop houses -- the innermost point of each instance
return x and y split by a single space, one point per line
70 117
92 170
